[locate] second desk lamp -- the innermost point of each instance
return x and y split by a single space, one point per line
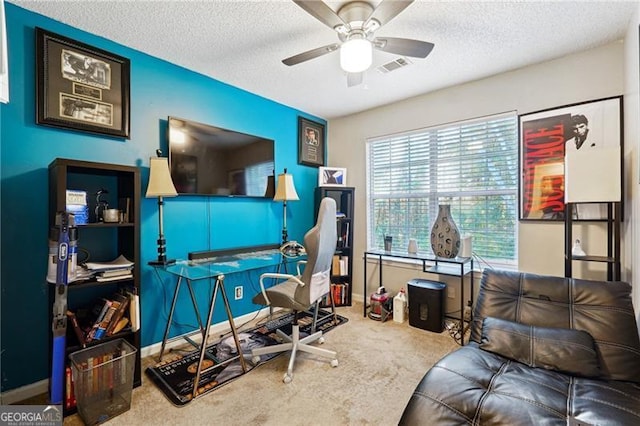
285 191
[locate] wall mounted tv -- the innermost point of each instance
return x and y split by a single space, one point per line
209 160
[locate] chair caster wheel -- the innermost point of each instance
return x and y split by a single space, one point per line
287 378
255 360
334 362
321 340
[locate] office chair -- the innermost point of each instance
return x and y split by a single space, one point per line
301 292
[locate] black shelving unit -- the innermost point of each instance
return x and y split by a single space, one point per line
612 259
102 242
342 269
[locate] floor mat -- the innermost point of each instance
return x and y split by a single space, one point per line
175 376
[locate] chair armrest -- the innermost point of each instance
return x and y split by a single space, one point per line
300 262
278 276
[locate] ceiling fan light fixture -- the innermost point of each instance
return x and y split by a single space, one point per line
356 55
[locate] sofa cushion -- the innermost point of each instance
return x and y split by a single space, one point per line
473 386
560 349
601 308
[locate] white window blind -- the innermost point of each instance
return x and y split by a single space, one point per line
471 165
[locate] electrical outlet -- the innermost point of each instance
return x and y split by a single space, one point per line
239 292
451 292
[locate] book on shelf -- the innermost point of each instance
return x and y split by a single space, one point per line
102 279
76 203
116 272
123 304
340 265
69 397
339 292
344 265
335 265
124 205
345 234
96 314
101 332
120 262
134 309
106 304
77 329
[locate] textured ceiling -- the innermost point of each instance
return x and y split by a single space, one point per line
242 43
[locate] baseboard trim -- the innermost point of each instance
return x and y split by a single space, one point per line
40 387
24 392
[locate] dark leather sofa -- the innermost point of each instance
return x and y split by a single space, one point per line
542 351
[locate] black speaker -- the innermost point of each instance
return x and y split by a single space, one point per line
426 304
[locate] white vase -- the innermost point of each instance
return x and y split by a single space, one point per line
413 246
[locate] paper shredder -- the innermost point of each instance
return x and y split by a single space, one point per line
426 304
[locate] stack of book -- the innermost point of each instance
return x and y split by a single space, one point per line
106 317
339 291
117 269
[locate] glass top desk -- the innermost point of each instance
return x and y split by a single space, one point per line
215 268
455 267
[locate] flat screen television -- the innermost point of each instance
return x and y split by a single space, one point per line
209 160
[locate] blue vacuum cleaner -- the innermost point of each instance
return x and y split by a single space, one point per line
64 221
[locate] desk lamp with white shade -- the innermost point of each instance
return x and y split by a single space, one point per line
285 191
160 185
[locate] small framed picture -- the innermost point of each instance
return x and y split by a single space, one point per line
332 176
81 87
311 142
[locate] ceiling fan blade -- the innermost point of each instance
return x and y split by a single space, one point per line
321 12
354 78
403 46
310 54
387 10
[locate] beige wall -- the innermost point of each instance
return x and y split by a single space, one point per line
593 74
632 147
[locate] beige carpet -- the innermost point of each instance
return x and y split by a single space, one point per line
380 365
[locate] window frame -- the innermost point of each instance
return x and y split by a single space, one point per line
433 195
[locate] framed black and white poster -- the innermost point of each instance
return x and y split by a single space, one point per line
81 87
311 142
545 139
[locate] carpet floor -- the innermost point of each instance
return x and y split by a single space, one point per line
175 376
380 365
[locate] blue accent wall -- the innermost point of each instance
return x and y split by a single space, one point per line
158 89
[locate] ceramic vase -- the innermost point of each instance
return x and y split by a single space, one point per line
445 237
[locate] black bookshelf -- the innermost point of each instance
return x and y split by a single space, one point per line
342 266
103 241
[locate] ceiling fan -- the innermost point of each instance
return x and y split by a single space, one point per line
356 23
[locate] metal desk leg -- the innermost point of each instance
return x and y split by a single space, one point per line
364 301
462 304
195 307
205 337
166 330
232 323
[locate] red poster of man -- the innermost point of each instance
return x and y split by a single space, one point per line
543 167
546 138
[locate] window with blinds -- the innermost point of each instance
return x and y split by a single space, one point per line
471 165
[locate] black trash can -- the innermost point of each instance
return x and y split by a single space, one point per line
426 304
